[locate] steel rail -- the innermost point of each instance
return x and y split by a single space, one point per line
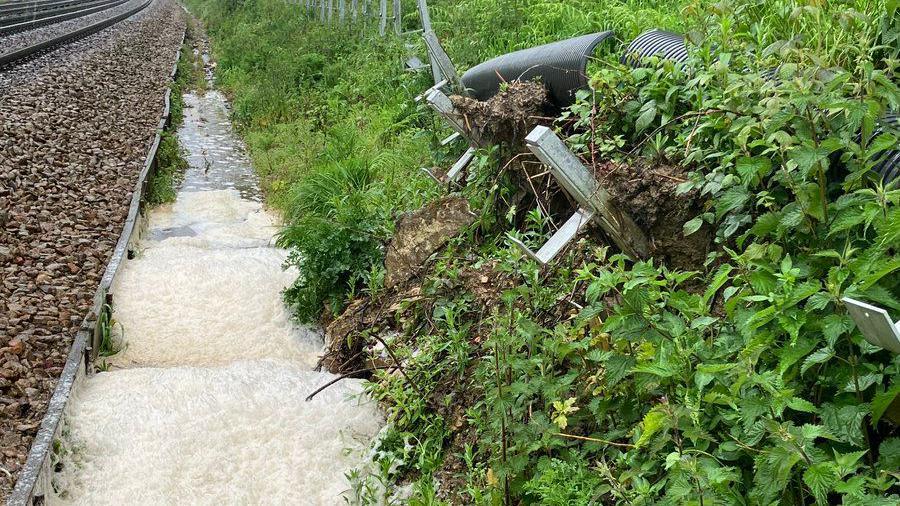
54 17
34 49
11 18
36 6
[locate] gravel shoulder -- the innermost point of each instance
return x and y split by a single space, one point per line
76 125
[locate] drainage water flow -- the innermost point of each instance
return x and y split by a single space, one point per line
205 403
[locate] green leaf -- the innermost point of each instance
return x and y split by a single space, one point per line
821 478
648 114
847 462
653 422
802 405
818 301
808 157
766 224
834 326
794 351
617 368
847 219
889 453
791 216
731 199
719 279
753 170
820 356
845 423
692 226
882 401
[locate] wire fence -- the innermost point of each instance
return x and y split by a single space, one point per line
388 13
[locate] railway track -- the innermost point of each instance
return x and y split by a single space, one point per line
14 8
53 40
28 19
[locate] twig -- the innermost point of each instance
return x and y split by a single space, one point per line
595 440
673 120
673 178
339 378
537 199
400 367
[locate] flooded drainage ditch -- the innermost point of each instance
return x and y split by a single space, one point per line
205 401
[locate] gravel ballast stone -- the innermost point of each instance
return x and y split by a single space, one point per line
77 125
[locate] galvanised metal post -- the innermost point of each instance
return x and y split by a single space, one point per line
382 22
397 17
424 16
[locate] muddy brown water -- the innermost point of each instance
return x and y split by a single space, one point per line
204 405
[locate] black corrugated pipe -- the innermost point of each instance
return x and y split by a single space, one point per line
656 42
889 166
562 66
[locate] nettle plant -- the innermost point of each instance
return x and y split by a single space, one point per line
756 387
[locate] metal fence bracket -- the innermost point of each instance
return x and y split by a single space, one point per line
425 93
584 188
558 241
875 324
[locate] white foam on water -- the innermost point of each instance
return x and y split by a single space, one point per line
209 298
205 405
183 305
239 434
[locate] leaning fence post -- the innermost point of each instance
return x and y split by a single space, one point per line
424 17
397 17
583 187
442 67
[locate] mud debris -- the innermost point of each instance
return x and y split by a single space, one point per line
649 193
508 116
420 233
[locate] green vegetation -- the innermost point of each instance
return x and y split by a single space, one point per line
737 380
163 184
109 344
338 152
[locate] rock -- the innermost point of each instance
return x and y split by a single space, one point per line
420 233
16 346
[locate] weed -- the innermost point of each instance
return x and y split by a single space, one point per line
163 185
110 344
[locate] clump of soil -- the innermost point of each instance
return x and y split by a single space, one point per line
649 194
420 233
508 116
349 345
